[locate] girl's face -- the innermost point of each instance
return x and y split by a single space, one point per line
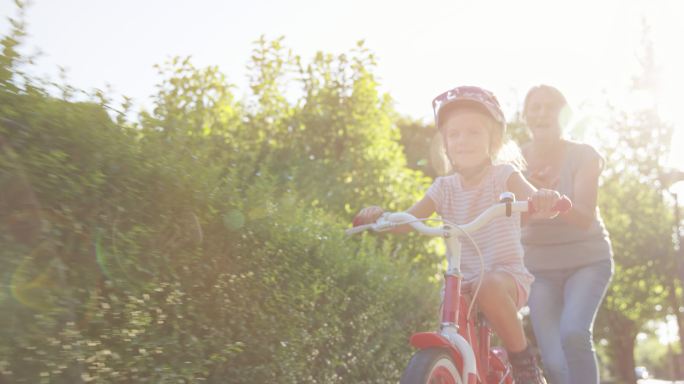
467 136
543 115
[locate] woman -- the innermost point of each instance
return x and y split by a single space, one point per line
569 256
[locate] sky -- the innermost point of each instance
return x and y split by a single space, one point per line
588 49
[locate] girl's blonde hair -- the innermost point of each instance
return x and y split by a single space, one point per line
508 153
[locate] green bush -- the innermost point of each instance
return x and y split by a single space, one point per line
204 244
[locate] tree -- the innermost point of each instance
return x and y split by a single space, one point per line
639 221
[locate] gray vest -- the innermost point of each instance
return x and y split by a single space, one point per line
554 244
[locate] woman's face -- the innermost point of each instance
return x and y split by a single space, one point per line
543 116
467 136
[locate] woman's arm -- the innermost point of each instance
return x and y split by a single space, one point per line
585 190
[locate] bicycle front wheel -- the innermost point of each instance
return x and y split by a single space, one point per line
431 366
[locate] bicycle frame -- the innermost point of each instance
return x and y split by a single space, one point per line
467 339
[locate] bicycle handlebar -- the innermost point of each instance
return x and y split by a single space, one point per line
390 220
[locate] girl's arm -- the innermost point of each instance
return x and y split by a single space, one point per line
519 185
422 209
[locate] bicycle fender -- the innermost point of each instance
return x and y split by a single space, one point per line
425 340
464 360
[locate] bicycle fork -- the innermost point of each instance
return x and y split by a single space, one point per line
448 336
451 311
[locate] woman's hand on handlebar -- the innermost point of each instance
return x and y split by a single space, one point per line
368 215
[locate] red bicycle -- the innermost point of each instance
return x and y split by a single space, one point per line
460 352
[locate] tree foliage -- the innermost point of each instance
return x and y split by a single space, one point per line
205 241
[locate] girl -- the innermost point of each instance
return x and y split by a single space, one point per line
472 126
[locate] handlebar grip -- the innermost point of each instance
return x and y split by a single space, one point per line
564 204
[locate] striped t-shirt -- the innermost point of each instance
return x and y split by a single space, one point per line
499 241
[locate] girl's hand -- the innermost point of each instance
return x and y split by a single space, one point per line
543 201
367 215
